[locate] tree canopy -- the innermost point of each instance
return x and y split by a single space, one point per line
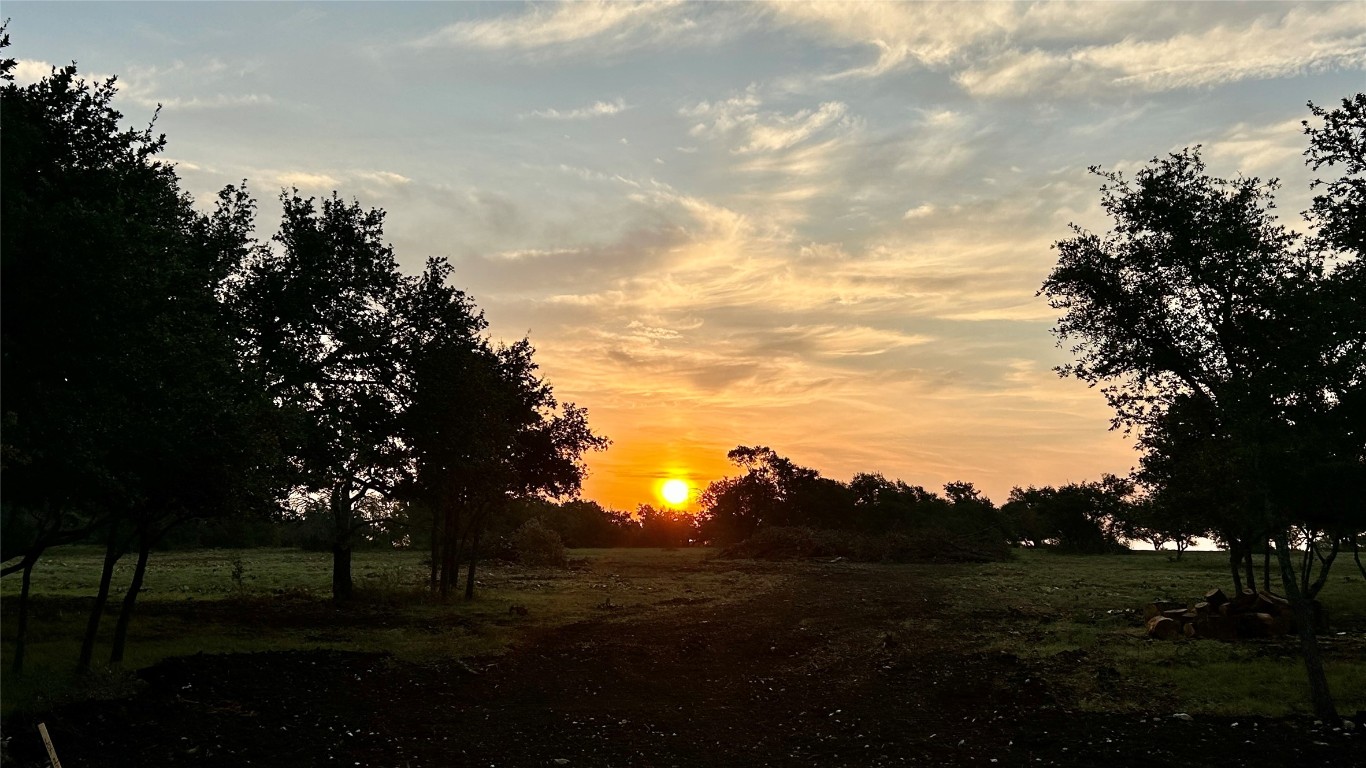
161 365
1232 343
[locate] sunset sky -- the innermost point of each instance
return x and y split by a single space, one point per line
814 227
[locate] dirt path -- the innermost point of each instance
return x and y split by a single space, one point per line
836 665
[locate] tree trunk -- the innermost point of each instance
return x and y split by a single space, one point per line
1266 569
1319 694
1249 568
1325 564
1234 555
1306 563
341 542
434 571
130 599
21 624
450 549
474 558
342 586
92 627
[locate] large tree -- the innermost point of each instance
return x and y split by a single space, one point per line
1076 517
480 426
126 410
315 306
1199 301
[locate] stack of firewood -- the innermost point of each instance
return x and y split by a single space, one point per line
1249 615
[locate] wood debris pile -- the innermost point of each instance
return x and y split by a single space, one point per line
1252 614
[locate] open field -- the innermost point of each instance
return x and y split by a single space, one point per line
910 659
191 603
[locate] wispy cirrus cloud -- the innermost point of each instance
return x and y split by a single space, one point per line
567 26
1015 49
596 109
373 183
179 86
1302 40
306 180
1260 149
741 120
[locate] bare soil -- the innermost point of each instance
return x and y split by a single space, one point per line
835 665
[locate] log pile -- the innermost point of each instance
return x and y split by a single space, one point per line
1252 614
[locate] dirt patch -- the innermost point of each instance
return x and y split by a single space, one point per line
833 665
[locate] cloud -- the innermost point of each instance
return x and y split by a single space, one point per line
596 26
371 186
1304 39
386 178
184 165
307 181
1015 49
150 87
784 131
596 109
29 71
1260 149
925 34
773 149
216 101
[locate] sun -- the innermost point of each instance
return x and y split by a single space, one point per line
675 492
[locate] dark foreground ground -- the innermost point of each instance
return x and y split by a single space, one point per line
828 669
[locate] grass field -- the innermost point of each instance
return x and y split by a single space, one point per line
1069 603
236 601
1080 615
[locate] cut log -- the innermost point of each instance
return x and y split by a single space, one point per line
1156 607
1269 603
1256 625
1163 628
1252 614
1216 627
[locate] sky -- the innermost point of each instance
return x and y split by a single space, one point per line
816 227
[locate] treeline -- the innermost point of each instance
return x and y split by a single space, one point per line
578 523
960 523
164 367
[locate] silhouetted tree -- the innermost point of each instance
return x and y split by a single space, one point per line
1076 517
316 309
892 505
126 410
483 428
1198 296
665 527
1158 521
734 508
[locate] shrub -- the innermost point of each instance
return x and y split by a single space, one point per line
537 545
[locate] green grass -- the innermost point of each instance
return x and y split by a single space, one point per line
1041 606
192 603
1060 604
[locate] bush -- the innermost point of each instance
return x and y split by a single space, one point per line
537 545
